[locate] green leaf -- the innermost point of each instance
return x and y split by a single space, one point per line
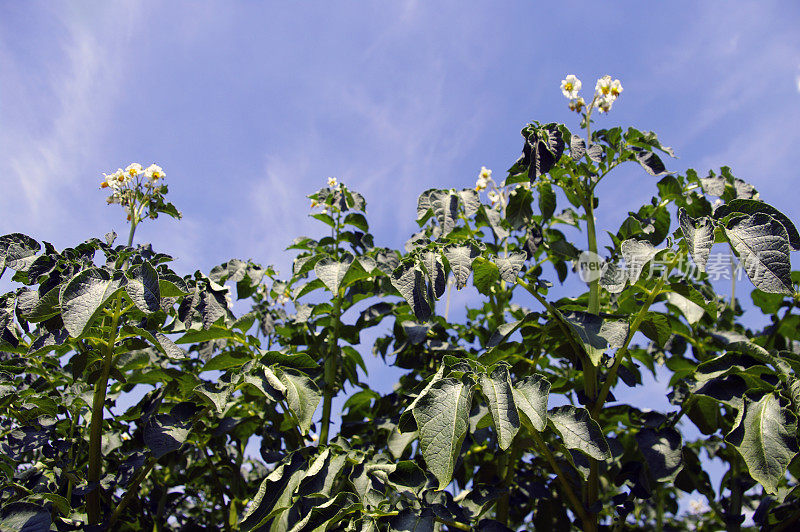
267 383
765 437
699 236
410 520
460 259
143 288
17 251
518 210
442 416
470 200
171 286
332 272
637 253
768 303
750 206
164 433
24 517
543 148
596 334
530 396
692 311
356 219
762 244
485 275
650 162
497 389
444 204
435 267
328 513
215 396
662 450
84 297
214 332
275 492
45 307
409 280
547 200
510 266
656 327
302 396
579 431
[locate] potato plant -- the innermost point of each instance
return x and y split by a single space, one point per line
513 417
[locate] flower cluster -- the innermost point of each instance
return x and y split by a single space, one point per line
483 179
606 91
135 188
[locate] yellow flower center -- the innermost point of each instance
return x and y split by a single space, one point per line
605 89
568 86
615 91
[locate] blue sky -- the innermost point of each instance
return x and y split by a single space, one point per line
249 106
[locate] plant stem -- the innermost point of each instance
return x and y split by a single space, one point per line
508 469
131 492
331 363
733 519
622 351
96 426
555 313
577 506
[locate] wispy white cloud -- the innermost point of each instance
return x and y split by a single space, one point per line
54 114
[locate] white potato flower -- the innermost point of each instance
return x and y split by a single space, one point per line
485 173
604 104
577 104
154 172
133 169
483 179
332 182
603 87
616 88
570 86
494 197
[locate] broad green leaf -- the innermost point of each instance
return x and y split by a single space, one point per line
444 204
596 334
656 327
543 148
164 433
435 267
728 390
322 473
497 389
613 278
24 517
356 219
762 244
547 200
519 211
579 431
331 272
143 288
750 206
768 303
226 360
171 286
275 492
410 520
267 382
692 311
84 297
409 280
302 396
637 253
460 259
485 275
662 450
510 266
765 436
407 422
699 236
530 396
650 162
45 307
17 251
214 395
214 332
442 416
470 200
327 514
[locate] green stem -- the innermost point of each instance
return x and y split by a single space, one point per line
659 511
622 351
131 491
508 469
331 363
733 521
577 506
96 426
555 313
